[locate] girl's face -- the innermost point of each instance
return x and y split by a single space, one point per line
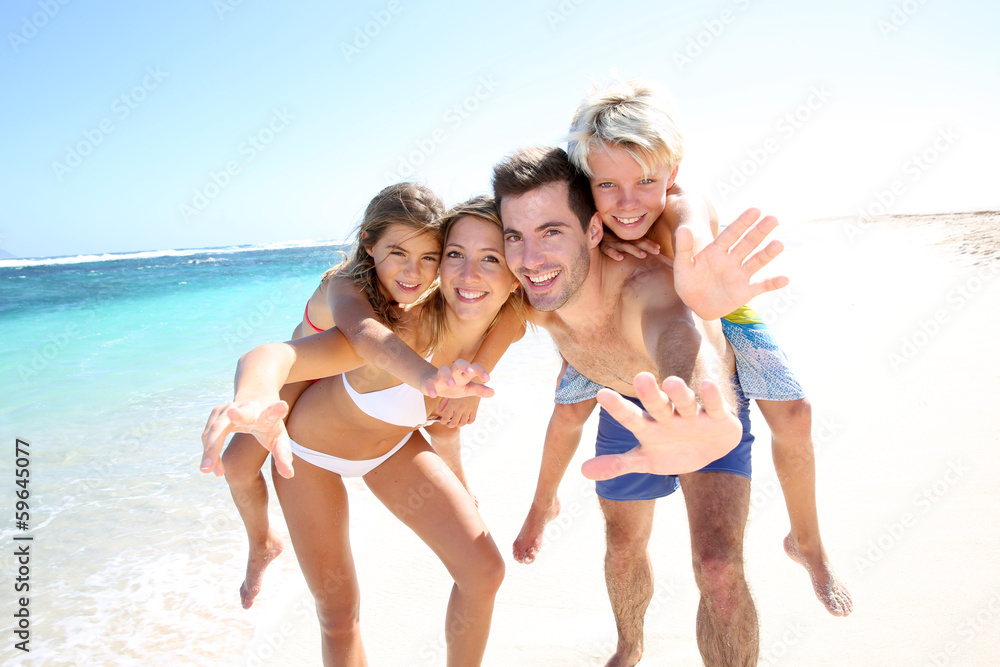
406 262
475 279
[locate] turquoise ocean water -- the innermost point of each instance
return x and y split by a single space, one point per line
109 369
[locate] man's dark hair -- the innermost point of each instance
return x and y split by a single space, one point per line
530 168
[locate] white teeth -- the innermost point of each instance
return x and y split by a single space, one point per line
469 294
628 221
543 278
408 286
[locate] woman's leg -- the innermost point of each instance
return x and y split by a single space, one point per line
314 502
243 459
417 486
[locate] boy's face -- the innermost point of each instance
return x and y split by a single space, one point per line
628 199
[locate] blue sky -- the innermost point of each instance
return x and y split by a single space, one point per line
198 123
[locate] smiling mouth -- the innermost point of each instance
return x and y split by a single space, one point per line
470 295
628 222
543 280
408 287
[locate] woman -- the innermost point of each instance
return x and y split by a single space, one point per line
364 424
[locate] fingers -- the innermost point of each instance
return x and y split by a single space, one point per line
612 253
653 401
755 236
681 396
212 439
763 257
281 453
609 466
625 413
647 245
685 245
733 231
711 399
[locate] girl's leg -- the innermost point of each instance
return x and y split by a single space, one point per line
314 502
243 459
417 486
795 462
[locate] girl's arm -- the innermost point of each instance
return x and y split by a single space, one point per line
256 407
381 347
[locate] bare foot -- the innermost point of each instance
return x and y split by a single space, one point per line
256 563
623 658
529 540
828 588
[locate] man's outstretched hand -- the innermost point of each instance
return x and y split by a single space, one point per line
264 421
716 281
676 435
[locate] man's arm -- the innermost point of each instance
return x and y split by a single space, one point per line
676 433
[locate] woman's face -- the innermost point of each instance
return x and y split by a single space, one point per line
475 279
406 262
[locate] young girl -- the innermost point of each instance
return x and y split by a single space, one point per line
365 423
398 235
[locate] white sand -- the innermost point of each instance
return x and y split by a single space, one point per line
907 468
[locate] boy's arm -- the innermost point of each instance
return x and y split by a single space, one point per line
678 430
713 276
379 345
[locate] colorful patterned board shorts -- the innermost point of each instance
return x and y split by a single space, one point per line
761 365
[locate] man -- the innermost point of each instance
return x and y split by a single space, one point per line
615 321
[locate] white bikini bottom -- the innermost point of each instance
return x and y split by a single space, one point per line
344 467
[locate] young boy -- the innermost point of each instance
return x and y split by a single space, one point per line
629 147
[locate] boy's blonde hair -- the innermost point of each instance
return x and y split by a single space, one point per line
627 114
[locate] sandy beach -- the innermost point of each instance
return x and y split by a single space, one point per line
887 322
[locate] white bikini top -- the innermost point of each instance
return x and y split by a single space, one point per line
401 405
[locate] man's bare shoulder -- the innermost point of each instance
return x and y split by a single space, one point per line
650 281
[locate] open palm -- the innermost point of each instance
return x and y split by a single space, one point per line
717 280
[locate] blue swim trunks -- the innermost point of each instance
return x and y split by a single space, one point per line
760 364
574 388
613 438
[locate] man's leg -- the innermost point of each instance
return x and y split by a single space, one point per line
717 506
628 572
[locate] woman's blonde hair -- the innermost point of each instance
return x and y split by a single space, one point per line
627 114
407 204
435 322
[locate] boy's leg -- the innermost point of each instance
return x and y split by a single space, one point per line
243 459
561 441
794 461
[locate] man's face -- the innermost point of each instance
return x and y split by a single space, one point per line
628 198
545 246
